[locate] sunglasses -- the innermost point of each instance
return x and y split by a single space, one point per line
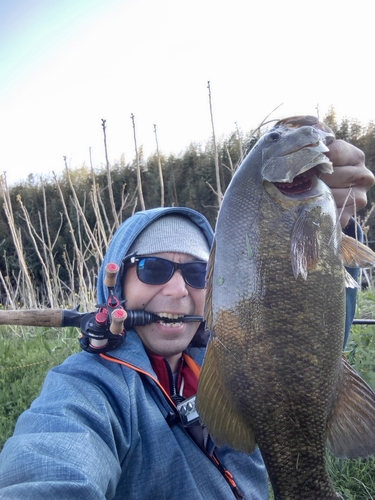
157 271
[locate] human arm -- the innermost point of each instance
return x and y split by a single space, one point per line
67 445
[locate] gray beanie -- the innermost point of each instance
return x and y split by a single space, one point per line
172 233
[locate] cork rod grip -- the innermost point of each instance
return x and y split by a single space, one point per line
32 317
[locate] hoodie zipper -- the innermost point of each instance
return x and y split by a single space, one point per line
173 418
176 395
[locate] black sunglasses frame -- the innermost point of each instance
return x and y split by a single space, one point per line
135 259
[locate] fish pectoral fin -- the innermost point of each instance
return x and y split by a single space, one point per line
356 254
216 408
351 431
304 246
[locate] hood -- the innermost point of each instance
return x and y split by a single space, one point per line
128 232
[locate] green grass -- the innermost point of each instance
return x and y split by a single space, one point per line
26 355
361 344
354 479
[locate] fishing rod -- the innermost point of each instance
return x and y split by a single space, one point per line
102 330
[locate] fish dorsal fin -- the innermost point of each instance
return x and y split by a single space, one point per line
217 410
304 245
356 254
351 431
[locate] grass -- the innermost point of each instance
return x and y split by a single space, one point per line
26 354
361 344
353 479
25 358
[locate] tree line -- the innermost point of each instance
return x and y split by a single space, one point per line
54 232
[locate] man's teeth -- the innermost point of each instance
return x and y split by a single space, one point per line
170 316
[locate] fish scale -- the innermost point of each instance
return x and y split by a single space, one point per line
274 374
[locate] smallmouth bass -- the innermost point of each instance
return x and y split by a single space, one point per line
274 373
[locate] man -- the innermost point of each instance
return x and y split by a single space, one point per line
105 426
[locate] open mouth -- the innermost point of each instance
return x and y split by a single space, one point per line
300 184
168 319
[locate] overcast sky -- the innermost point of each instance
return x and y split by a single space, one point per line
66 64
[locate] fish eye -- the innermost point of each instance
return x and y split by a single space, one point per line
274 136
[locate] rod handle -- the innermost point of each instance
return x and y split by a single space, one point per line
32 317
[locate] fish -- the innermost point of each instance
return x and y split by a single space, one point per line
274 375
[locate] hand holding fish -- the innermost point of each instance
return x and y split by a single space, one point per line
350 179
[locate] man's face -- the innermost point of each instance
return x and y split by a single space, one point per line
174 297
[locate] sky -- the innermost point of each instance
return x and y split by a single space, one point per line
67 64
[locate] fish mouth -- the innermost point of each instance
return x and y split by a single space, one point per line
294 172
300 184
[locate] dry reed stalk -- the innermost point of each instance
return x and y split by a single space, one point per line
124 201
80 211
368 274
102 235
103 212
10 296
33 234
218 191
13 293
28 288
160 169
110 190
139 178
239 140
100 213
50 246
78 262
231 167
69 286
